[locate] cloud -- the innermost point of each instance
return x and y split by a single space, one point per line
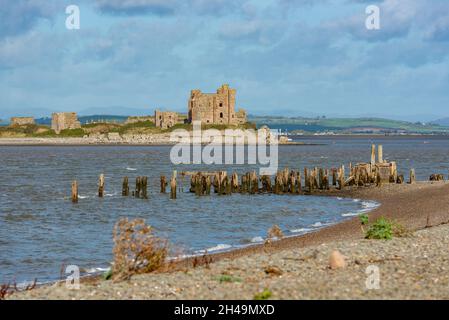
18 17
137 7
169 7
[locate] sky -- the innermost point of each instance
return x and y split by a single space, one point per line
284 57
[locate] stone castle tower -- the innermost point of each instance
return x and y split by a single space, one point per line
215 108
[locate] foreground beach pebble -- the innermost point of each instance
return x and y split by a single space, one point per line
337 260
404 268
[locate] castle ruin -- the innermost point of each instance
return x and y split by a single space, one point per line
215 108
165 119
64 120
22 121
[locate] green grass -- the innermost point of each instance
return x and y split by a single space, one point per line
132 126
228 278
363 219
382 229
264 295
107 275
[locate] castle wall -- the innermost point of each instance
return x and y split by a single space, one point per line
64 120
165 119
214 108
22 121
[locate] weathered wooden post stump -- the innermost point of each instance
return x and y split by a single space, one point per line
163 184
75 191
173 185
235 182
138 187
101 186
125 187
144 187
208 185
412 176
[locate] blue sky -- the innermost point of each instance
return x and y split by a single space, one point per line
289 57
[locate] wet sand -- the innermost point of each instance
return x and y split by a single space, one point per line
411 267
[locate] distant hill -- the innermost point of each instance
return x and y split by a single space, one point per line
442 122
347 125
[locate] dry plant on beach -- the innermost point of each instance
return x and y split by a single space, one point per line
136 249
5 289
275 232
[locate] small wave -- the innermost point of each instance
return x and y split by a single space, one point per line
82 197
218 247
301 230
110 194
339 198
367 206
317 224
356 200
351 214
257 239
131 169
96 270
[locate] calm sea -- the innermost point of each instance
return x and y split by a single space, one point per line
41 230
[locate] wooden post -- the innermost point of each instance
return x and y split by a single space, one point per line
254 183
341 178
125 187
373 156
321 178
334 177
298 182
75 191
145 187
227 186
101 186
243 188
306 178
310 183
292 182
208 184
235 182
326 179
173 185
198 181
316 184
138 187
163 184
380 154
412 176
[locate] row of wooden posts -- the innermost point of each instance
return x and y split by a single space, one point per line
285 181
140 191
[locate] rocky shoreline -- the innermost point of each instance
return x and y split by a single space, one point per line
298 268
112 140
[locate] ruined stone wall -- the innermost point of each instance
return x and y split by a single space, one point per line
64 120
241 116
214 108
22 121
165 119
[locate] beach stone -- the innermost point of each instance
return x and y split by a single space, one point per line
273 271
336 260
